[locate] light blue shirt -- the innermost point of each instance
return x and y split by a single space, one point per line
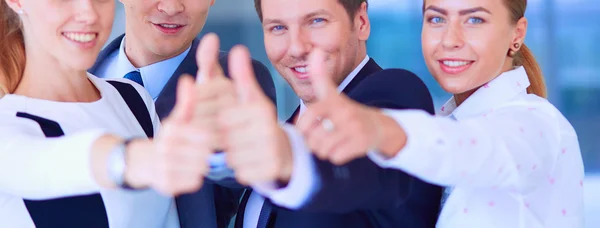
155 76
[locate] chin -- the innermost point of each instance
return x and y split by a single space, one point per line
453 87
82 64
305 93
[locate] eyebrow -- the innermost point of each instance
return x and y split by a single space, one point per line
272 21
462 12
307 16
316 13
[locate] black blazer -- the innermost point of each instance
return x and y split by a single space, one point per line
213 205
360 193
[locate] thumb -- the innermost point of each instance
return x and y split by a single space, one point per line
207 58
184 105
242 73
320 76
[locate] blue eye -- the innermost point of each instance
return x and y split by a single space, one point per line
277 28
436 20
475 20
318 20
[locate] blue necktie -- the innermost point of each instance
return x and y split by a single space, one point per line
135 76
265 214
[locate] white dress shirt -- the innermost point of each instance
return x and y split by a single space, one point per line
303 181
38 168
512 158
155 76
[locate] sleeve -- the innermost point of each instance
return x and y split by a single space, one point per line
304 180
513 148
361 184
34 167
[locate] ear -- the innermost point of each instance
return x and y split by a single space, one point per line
15 5
212 2
362 23
520 31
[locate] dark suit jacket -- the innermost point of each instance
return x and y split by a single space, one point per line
360 193
214 205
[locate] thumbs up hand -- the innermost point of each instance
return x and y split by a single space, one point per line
258 150
335 127
179 153
215 92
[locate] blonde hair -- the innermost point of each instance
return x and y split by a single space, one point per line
12 48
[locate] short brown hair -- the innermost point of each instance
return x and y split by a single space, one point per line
351 6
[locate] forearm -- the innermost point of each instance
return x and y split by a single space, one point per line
38 168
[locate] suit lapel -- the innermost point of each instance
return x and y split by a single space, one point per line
370 68
112 46
167 97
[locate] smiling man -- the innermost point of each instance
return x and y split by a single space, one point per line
291 187
159 45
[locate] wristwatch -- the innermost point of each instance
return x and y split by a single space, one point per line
117 165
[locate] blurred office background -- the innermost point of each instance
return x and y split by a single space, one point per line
563 34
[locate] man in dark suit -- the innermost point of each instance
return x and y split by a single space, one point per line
159 46
290 186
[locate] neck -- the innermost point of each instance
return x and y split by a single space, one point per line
45 78
139 56
462 97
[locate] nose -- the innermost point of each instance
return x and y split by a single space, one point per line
453 37
86 12
300 44
171 7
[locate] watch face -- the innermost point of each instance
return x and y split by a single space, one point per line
116 165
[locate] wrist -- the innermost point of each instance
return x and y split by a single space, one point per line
138 172
393 138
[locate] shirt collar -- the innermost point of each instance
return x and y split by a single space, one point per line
155 76
346 80
504 87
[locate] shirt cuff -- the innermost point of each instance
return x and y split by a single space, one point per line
304 180
416 127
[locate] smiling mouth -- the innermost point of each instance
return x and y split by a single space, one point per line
169 28
81 37
301 72
455 66
300 69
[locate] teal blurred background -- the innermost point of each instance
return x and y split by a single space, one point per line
563 35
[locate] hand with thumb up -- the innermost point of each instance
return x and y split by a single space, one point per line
335 127
214 91
258 150
176 160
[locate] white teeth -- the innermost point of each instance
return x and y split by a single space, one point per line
455 63
169 26
80 37
301 69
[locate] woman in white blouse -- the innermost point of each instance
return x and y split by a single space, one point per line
508 156
63 153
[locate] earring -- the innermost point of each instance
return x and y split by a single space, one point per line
511 52
20 11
